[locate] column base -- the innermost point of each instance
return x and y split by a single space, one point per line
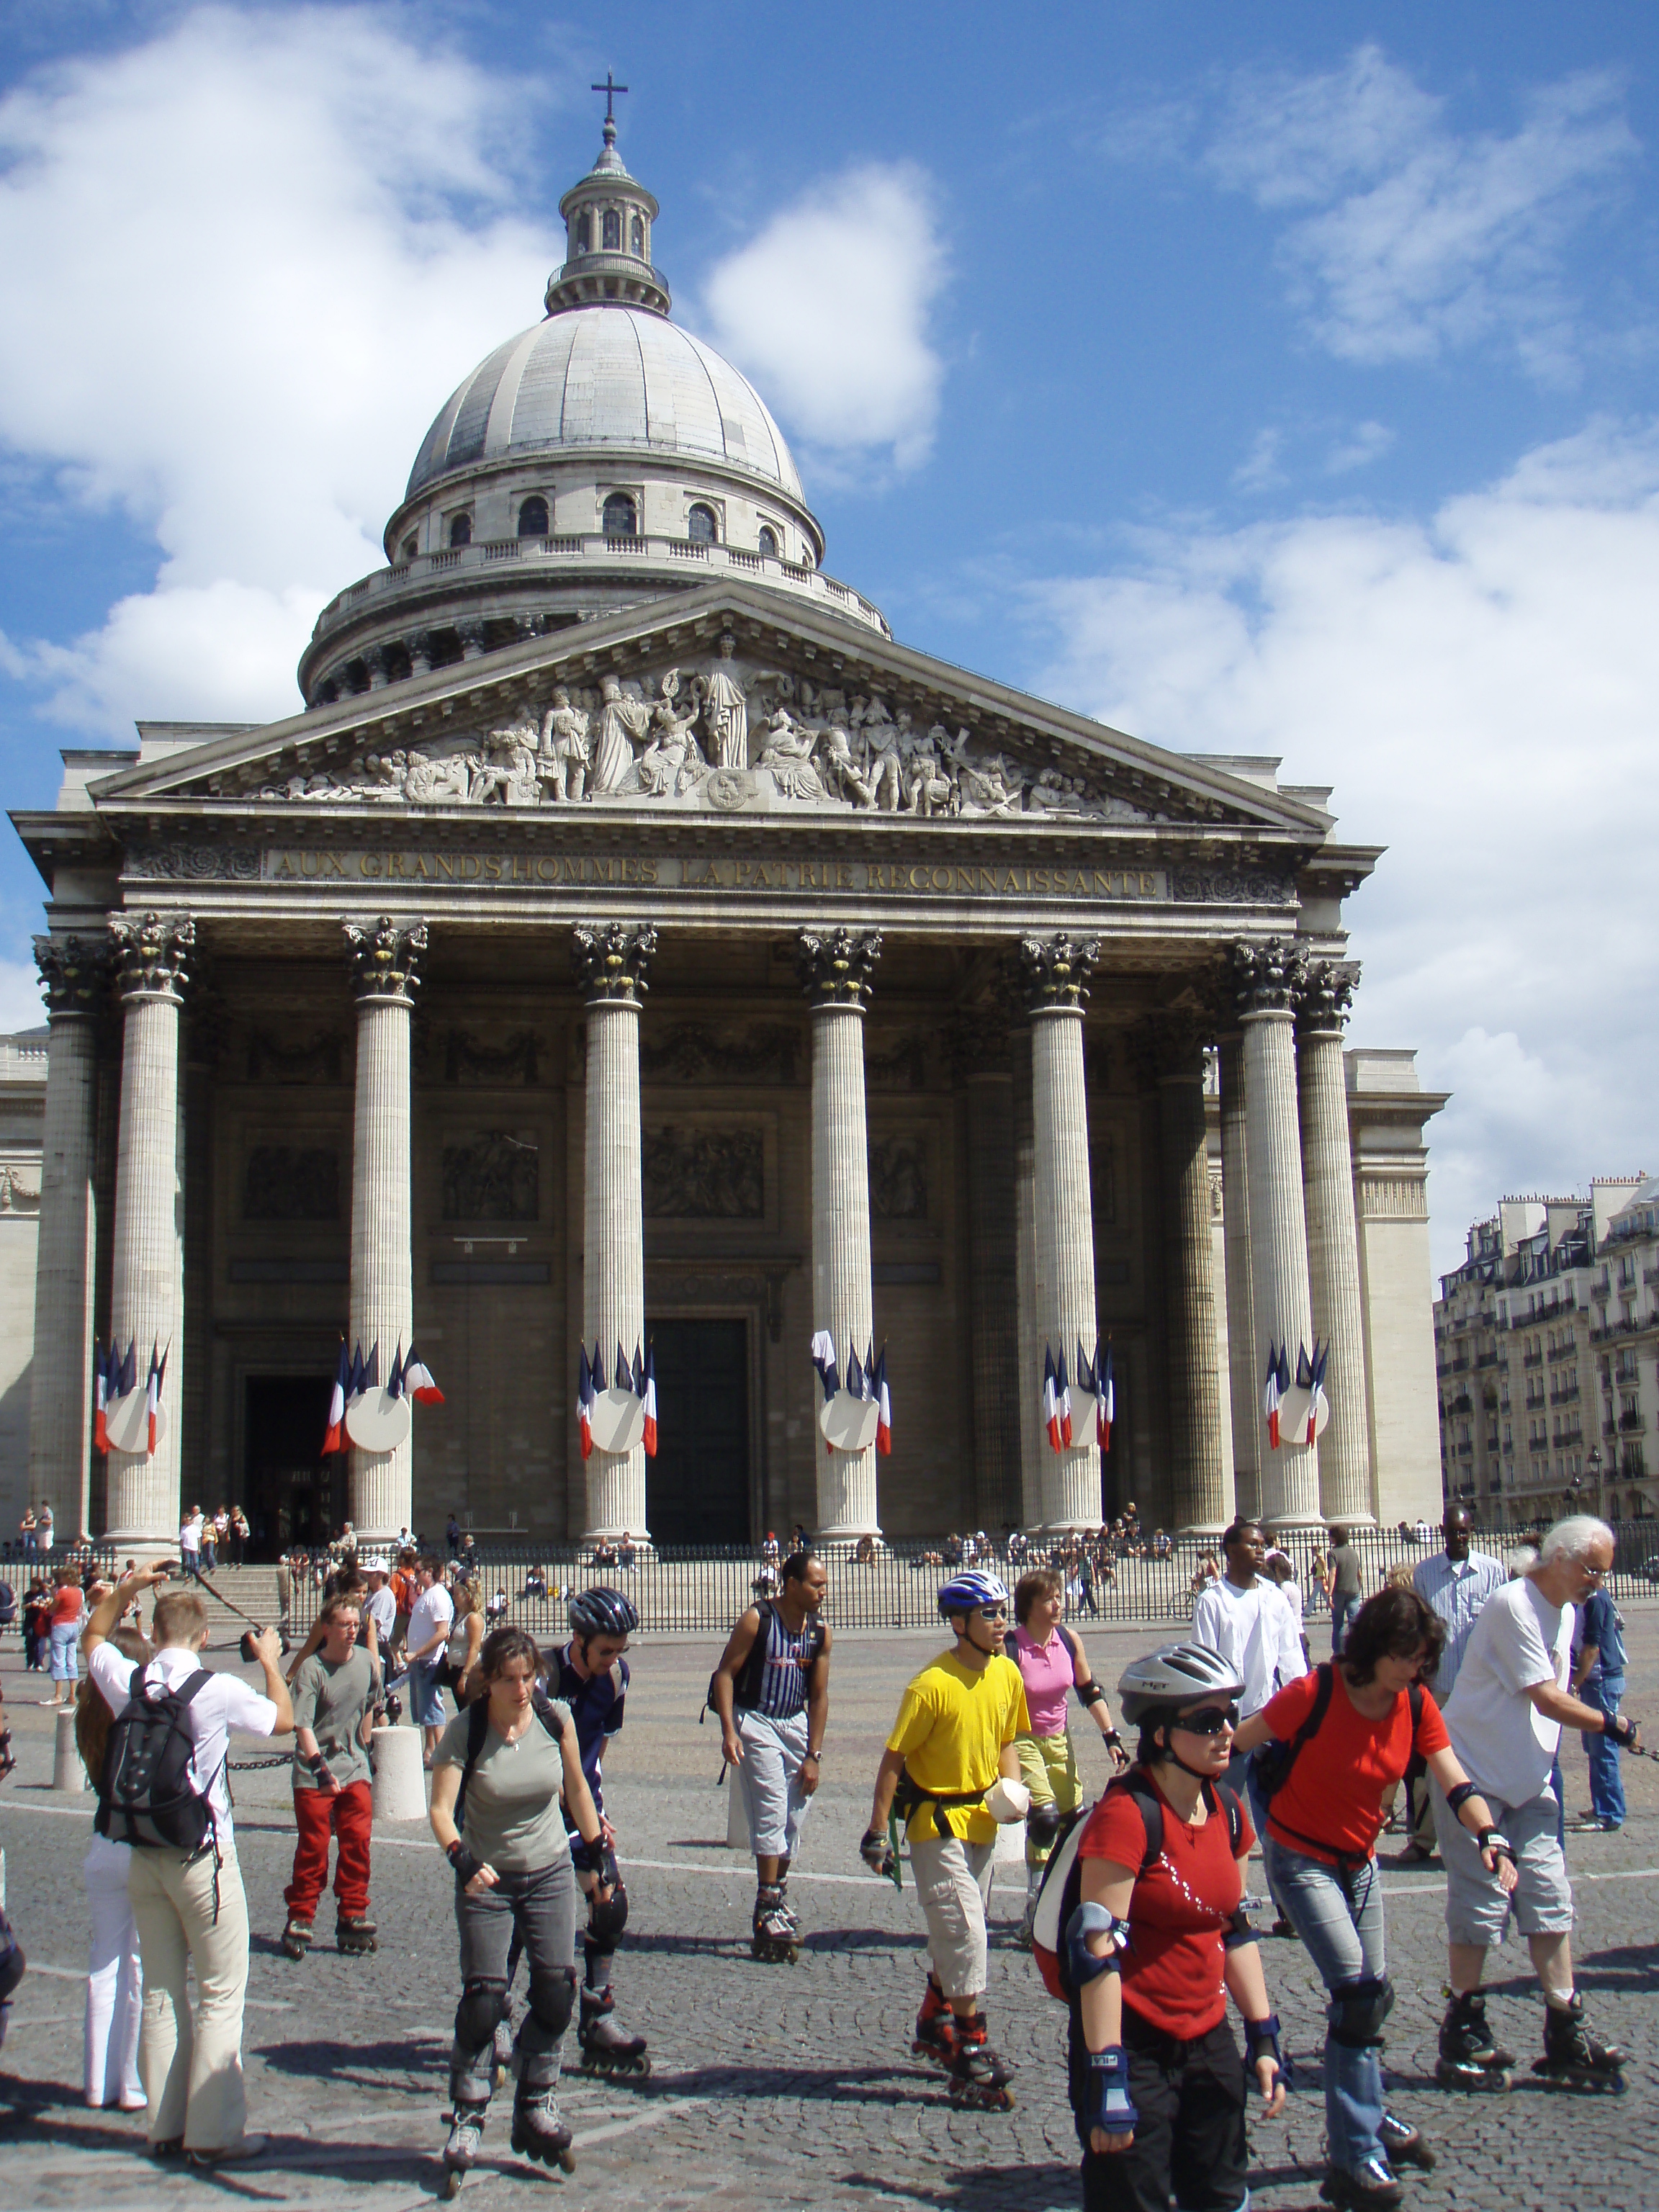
847 1540
140 1546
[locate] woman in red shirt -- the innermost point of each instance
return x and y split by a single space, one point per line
1156 2085
1323 1821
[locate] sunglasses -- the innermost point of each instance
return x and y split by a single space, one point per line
1210 1720
992 1612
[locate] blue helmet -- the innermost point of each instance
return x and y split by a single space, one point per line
603 1612
966 1592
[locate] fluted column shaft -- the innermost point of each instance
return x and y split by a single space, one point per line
992 1319
1032 1443
613 1247
1344 1471
1198 1498
1246 1358
842 1297
1065 1244
146 1296
1279 1240
60 1372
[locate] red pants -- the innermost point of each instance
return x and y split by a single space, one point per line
348 1814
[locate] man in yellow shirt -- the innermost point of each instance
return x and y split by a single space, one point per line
951 1772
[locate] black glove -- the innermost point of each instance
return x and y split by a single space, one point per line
877 1853
465 1862
1618 1729
1493 1840
1262 2041
602 1858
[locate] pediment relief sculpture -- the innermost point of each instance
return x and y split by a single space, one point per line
726 736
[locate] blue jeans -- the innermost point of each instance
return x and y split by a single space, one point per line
65 1641
1339 1916
1240 1778
426 1700
1607 1783
1343 1610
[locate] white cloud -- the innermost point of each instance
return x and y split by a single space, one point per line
245 262
1259 470
1483 690
1408 238
1366 443
827 309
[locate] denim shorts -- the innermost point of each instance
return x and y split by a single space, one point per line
426 1698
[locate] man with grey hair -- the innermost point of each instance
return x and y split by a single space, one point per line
1504 1717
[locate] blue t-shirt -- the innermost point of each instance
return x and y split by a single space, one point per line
1601 1625
596 1706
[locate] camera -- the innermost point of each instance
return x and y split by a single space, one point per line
393 1709
248 1652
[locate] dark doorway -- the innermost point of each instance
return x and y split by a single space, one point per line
697 1485
292 1494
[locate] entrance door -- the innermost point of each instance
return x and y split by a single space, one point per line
697 1485
292 1494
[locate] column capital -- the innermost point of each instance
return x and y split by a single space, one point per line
1054 972
610 961
836 968
1325 993
74 973
150 952
1265 975
383 959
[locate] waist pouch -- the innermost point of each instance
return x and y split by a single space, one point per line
909 1797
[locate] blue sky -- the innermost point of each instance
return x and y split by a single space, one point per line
1260 379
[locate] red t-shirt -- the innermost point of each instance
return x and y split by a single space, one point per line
66 1605
1179 1911
1332 1805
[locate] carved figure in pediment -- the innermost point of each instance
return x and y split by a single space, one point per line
624 722
563 754
989 786
929 785
726 711
673 761
1055 794
788 752
507 770
383 774
430 782
843 773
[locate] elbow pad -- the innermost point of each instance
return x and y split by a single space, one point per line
1239 1931
1458 1797
1081 1962
1088 1694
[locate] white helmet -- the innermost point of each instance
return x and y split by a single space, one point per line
1174 1675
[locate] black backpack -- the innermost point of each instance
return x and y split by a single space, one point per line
1273 1760
145 1794
477 1729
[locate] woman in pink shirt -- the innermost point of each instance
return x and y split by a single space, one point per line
1051 1661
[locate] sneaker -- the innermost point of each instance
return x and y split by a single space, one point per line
232 2154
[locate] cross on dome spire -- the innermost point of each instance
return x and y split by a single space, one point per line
609 218
610 89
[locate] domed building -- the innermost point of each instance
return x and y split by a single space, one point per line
628 956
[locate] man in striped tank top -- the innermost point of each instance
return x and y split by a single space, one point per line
771 1693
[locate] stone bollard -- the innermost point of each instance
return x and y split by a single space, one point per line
399 1777
67 1771
737 1817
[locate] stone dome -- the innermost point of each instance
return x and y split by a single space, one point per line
621 378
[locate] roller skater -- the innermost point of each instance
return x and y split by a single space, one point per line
951 1771
1507 1736
335 1692
771 1694
508 1766
591 1675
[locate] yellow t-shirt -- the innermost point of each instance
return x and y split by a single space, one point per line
952 1724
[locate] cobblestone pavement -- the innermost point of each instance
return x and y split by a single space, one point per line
773 2086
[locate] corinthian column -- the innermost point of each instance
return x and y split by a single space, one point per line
609 963
1198 1501
1056 972
1243 1352
1033 1444
1266 975
1344 1465
73 974
835 971
383 962
979 1042
147 1298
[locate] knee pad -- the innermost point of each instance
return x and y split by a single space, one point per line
605 1921
1357 2011
553 1999
1042 1826
482 2005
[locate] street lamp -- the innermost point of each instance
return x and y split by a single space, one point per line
1593 1462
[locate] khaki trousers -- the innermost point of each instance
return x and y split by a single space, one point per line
191 2065
953 1882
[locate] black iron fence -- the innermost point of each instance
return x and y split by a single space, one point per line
896 1585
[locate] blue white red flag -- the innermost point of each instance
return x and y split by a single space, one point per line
585 1394
1063 1391
102 1362
153 1398
648 1374
334 1435
1051 1398
856 1385
1321 1352
597 1366
395 1381
1106 1401
823 1358
884 1405
1271 1394
417 1380
622 1376
127 1379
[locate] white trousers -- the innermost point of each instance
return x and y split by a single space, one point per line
115 1984
191 2061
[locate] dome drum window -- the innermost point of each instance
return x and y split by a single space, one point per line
636 239
533 521
769 541
621 515
584 233
611 231
702 525
460 529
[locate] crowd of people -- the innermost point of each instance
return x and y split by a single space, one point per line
1453 1683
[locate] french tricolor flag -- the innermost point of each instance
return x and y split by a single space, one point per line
1310 1374
153 1397
622 1378
334 1435
1106 1401
1272 1393
395 1383
1051 1398
646 1372
103 1363
1063 1390
585 1396
883 1406
417 1380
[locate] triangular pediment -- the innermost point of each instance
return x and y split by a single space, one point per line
727 700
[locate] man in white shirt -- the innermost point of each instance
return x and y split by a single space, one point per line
1457 1582
190 1540
190 1907
1504 1717
429 1624
382 1609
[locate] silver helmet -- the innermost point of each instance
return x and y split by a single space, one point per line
1175 1674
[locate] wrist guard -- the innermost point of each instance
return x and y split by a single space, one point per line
466 1863
1457 1798
876 1853
1081 1962
1088 1694
1239 1932
1493 1840
1106 2103
602 1858
317 1765
1262 2041
1617 1729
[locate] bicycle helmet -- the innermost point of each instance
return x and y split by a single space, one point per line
603 1611
1175 1674
966 1592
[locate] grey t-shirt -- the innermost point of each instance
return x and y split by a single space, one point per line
512 1818
331 1702
1344 1569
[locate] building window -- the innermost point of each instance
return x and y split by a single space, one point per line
533 517
584 233
622 517
768 542
460 529
637 236
410 546
700 526
611 231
